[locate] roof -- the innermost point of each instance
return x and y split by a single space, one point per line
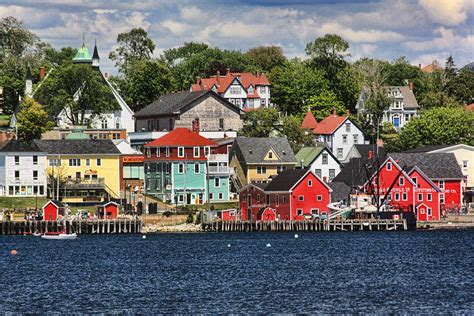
222 83
355 172
254 149
426 149
77 135
431 67
307 155
364 150
286 180
82 55
95 54
330 124
78 147
125 148
261 186
309 121
55 202
19 146
181 137
340 191
409 99
435 166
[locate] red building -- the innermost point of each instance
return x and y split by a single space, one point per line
291 195
52 209
108 210
427 197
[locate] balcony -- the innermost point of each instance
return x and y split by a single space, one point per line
79 184
219 169
218 158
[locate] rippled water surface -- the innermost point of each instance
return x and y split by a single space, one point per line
380 272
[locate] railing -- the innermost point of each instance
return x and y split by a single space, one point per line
219 169
218 158
83 183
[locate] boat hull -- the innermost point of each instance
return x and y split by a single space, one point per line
60 236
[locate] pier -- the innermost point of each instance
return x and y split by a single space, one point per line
307 226
117 226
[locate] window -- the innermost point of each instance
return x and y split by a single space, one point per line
180 152
196 152
53 162
250 89
280 169
389 197
277 199
267 199
17 175
415 180
389 166
207 151
221 124
332 174
441 198
217 182
261 170
420 196
348 127
325 159
270 155
300 197
99 162
263 102
235 90
262 89
344 139
356 138
429 211
196 167
258 198
283 199
35 160
317 172
429 197
464 163
319 197
310 183
181 197
441 184
299 212
404 196
148 152
35 174
158 151
181 168
401 181
88 162
397 196
211 196
74 162
104 124
17 160
340 152
167 151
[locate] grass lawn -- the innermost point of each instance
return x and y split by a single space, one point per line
4 120
21 202
217 206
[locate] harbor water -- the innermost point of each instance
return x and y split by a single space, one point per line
428 272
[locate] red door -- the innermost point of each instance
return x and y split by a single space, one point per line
422 212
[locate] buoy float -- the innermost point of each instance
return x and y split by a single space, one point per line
268 245
144 237
296 236
228 245
13 252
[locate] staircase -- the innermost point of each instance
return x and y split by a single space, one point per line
235 182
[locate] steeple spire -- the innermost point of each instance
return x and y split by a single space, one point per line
29 82
95 55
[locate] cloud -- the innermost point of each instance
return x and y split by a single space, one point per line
447 12
368 36
447 40
175 27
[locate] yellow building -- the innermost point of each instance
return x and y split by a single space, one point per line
255 159
88 170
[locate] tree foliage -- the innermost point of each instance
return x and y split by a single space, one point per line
132 46
266 57
297 137
15 39
261 123
322 105
32 120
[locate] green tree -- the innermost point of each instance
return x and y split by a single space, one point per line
133 45
15 39
293 84
439 126
266 57
400 71
58 57
323 104
32 120
78 88
174 55
461 87
262 122
297 137
145 82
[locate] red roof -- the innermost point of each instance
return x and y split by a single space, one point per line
329 125
309 121
181 137
470 107
247 79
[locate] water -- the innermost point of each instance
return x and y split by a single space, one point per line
379 272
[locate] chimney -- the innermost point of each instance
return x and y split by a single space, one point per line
41 73
106 75
227 71
411 85
348 112
218 77
196 125
257 74
333 111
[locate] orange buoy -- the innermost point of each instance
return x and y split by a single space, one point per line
13 252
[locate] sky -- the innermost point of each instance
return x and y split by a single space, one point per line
421 30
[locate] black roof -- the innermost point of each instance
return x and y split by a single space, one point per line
426 149
95 55
435 165
19 146
364 149
78 146
340 191
286 180
261 185
58 203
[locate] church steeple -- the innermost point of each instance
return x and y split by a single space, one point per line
95 56
82 55
29 82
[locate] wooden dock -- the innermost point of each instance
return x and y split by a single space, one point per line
307 226
118 226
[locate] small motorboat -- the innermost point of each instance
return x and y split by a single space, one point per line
36 234
58 236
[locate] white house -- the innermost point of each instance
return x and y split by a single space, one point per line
403 108
320 160
245 90
339 133
22 170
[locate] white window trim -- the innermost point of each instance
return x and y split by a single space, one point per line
420 195
429 197
180 152
158 152
167 151
198 152
199 167
300 197
310 183
179 165
389 166
319 197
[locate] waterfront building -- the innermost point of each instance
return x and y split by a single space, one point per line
88 169
108 210
22 169
132 175
403 108
320 160
194 110
295 194
339 133
257 159
53 209
246 90
183 167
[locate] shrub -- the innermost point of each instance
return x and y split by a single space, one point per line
190 218
167 213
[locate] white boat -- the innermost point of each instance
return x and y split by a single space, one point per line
60 236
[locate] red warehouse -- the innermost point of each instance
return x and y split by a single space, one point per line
427 195
52 209
251 200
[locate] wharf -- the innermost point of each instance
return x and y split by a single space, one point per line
307 226
117 226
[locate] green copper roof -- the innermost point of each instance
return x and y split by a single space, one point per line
308 154
77 135
82 55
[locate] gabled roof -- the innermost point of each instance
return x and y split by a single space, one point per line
417 169
330 124
181 137
364 149
308 154
435 166
409 99
252 150
57 203
340 191
18 146
427 149
286 180
431 67
260 186
309 121
78 147
222 83
82 55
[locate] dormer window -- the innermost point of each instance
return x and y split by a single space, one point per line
270 155
214 89
148 152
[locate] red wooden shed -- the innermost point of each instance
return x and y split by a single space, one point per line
52 209
108 210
